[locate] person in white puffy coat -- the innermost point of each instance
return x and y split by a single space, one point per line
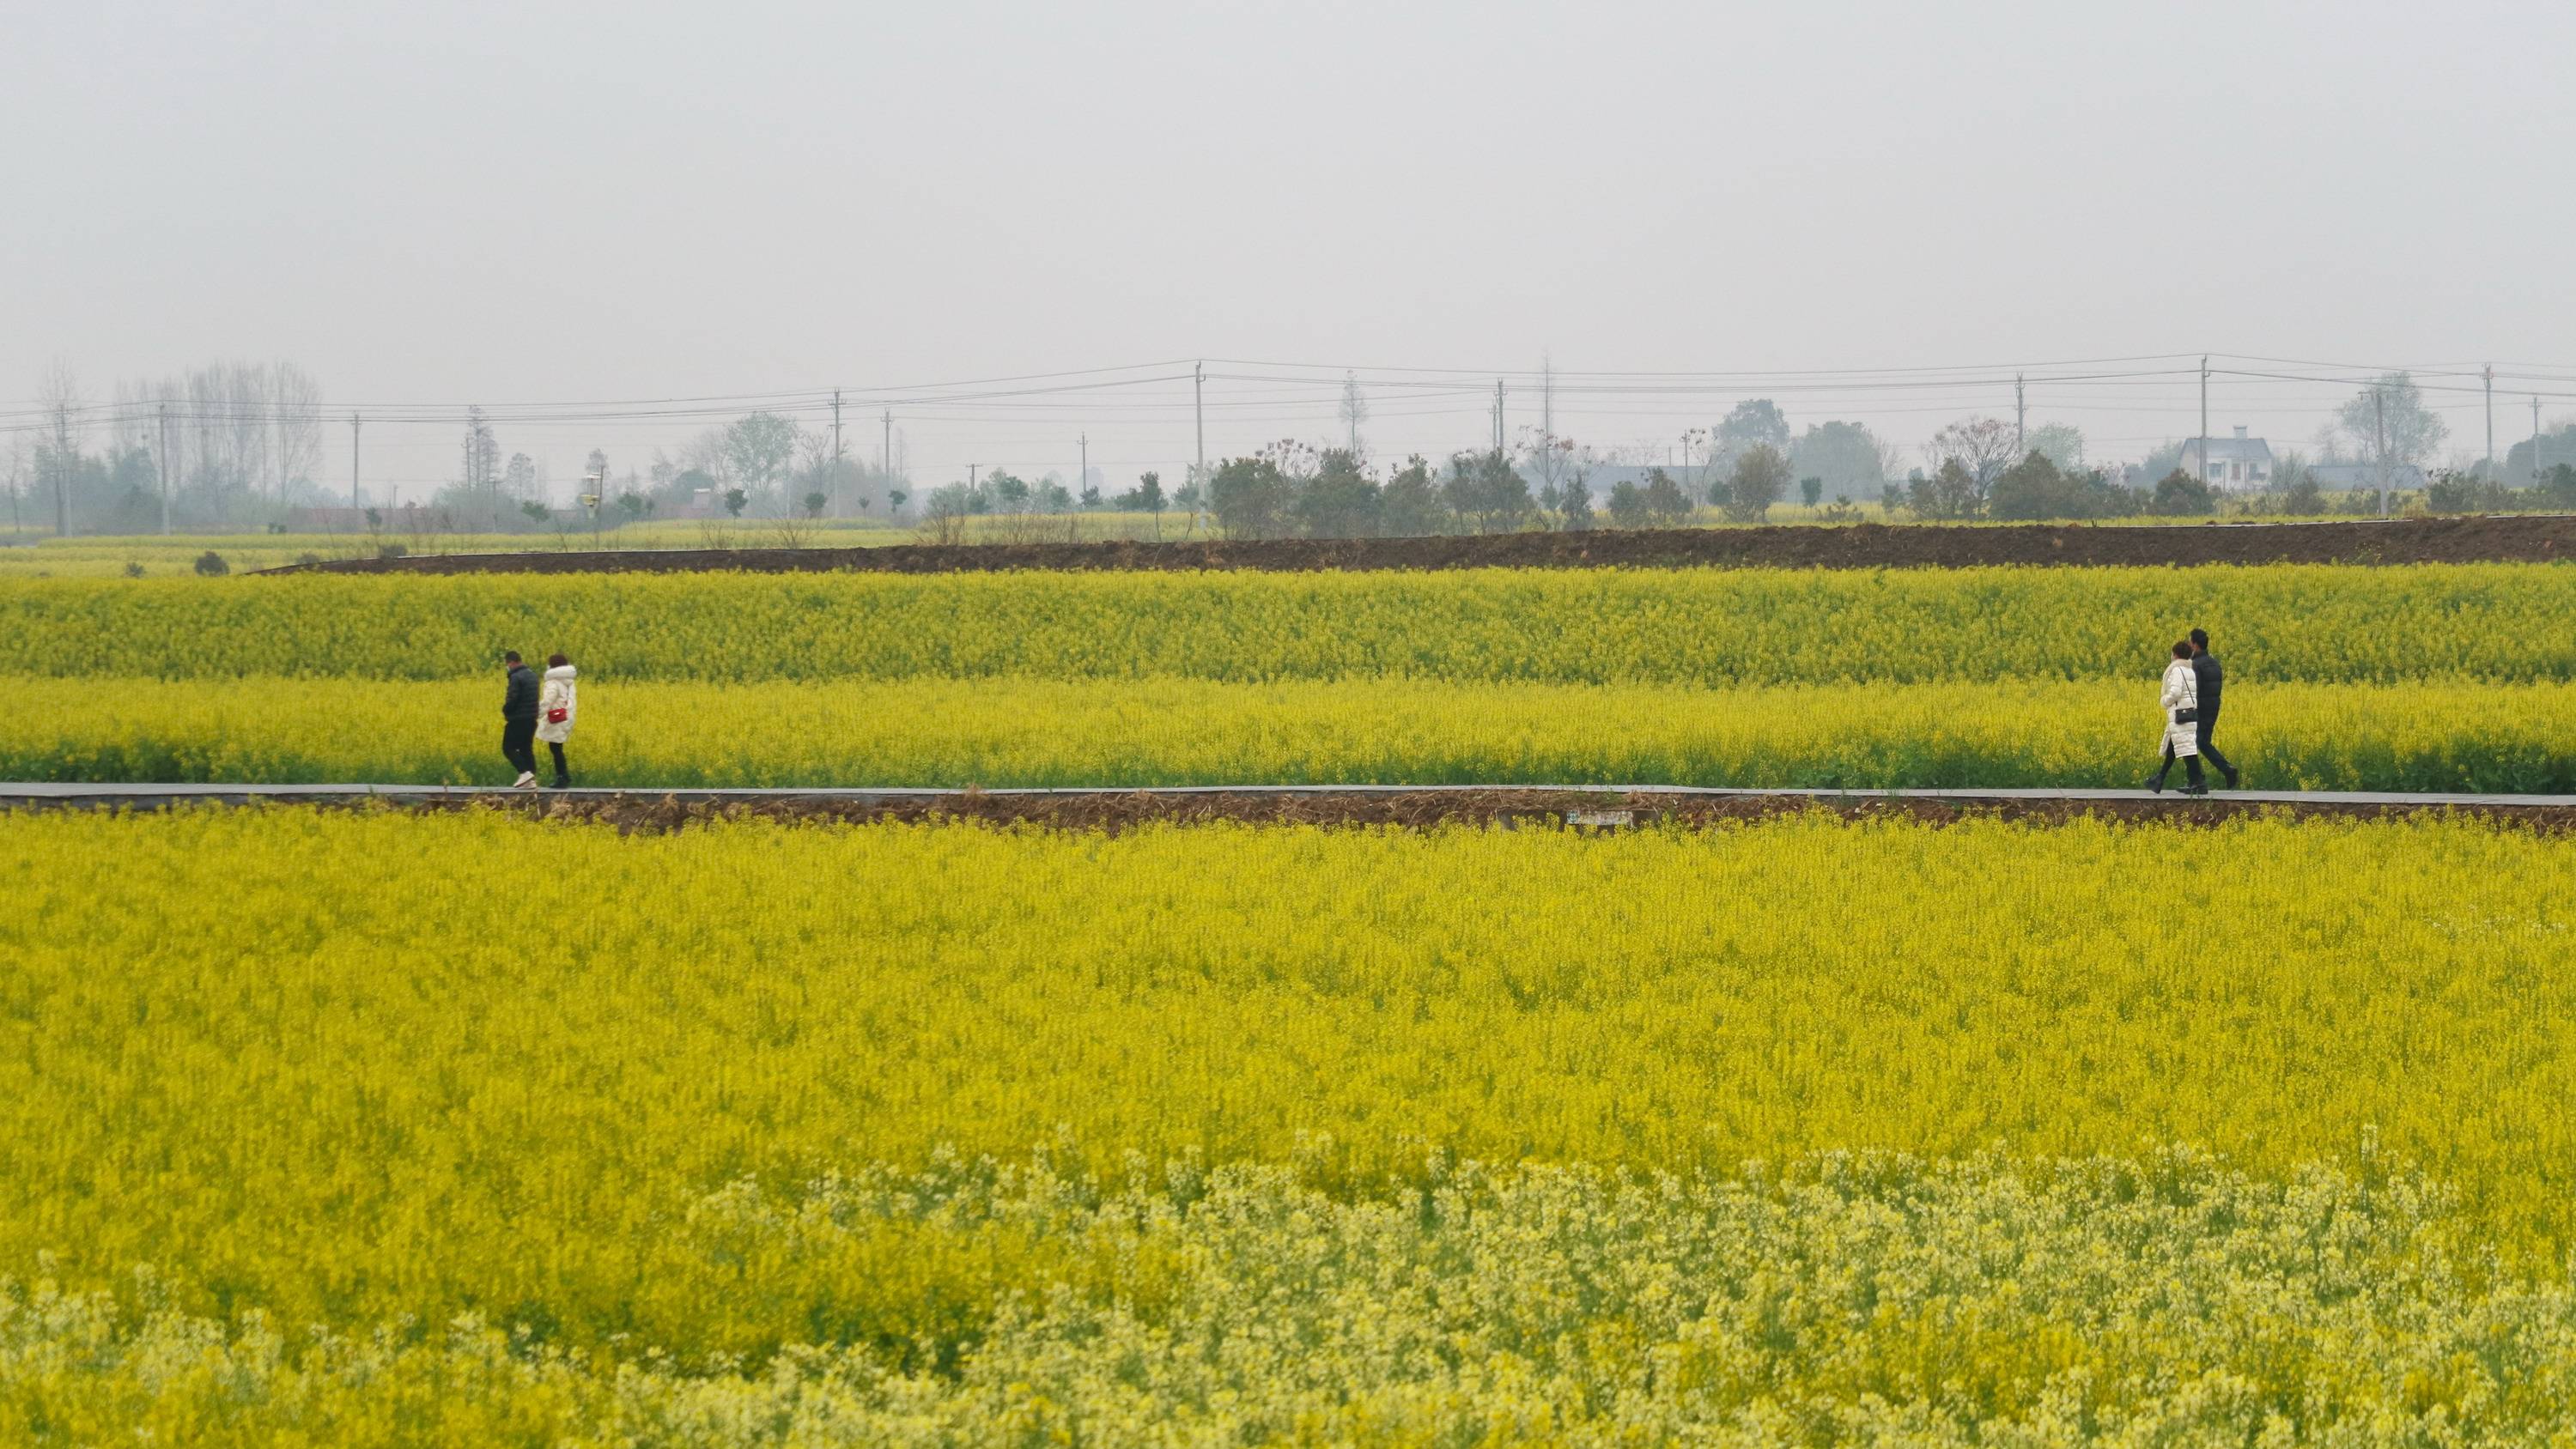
558 706
2180 702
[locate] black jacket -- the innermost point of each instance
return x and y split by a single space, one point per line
2206 673
519 706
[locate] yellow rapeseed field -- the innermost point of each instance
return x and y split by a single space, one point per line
1711 628
355 1126
2440 735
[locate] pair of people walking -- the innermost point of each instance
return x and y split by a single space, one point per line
2190 697
533 709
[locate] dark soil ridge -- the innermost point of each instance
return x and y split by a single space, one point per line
1113 811
1789 546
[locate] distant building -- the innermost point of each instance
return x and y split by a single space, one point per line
2237 462
2359 477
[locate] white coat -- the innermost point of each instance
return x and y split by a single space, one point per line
557 691
2181 691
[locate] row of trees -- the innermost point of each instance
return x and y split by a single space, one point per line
1288 491
235 442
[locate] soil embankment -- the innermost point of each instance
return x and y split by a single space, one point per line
1857 546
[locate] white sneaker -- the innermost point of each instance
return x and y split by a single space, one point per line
525 782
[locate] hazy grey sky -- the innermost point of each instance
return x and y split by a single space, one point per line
532 202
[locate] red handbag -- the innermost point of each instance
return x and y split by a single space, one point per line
558 715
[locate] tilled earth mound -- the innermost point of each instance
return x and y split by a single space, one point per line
1858 546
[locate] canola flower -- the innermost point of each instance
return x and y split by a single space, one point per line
1706 628
351 1067
2440 735
1868 1298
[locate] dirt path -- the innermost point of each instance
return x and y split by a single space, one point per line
1859 546
1111 810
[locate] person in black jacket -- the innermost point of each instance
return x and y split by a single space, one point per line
2204 667
519 721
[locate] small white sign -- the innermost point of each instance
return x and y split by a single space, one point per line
1604 819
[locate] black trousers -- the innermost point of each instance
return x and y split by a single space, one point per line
563 774
2209 751
519 744
2190 766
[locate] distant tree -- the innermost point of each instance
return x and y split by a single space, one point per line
946 511
1573 509
735 500
1354 412
633 504
2181 494
814 502
757 447
1252 498
2062 444
1982 447
1408 503
1505 493
895 500
1949 494
1486 492
535 511
1753 423
210 564
1666 505
482 460
1811 491
2387 425
1090 496
2303 499
1051 497
1760 478
1340 501
2030 489
1628 505
2558 485
1010 492
2036 488
2556 445
1145 497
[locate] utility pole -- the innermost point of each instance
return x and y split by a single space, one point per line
353 465
1082 480
2204 421
2379 440
1498 415
2489 375
885 458
836 452
165 467
2535 440
1198 405
970 476
2021 417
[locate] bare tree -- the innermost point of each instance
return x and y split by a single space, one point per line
295 424
482 462
1891 459
1982 446
1355 410
17 470
66 424
2389 427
